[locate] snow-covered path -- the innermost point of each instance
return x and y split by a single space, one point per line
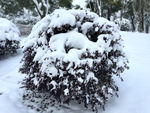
134 91
9 87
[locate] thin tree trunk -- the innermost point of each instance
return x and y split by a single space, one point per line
142 19
121 15
133 26
109 13
147 28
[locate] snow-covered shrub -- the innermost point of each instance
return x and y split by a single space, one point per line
72 55
9 37
124 24
26 18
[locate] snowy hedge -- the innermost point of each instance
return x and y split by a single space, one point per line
123 24
72 55
9 37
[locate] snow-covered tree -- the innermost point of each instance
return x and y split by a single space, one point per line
9 37
72 55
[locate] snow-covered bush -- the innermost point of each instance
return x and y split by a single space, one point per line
27 18
72 55
124 24
9 37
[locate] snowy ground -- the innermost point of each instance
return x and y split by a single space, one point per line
134 91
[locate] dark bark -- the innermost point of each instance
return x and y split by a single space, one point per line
142 19
132 22
109 13
147 28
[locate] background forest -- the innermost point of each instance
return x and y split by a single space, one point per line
130 15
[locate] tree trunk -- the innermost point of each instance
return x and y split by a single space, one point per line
109 13
147 28
121 15
133 26
142 19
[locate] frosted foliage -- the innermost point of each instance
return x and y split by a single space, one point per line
74 54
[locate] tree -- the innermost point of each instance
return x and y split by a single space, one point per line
15 7
110 7
131 14
43 7
138 12
147 16
104 8
95 6
8 8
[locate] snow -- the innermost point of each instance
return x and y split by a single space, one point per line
10 98
86 26
53 84
134 91
66 91
77 41
80 80
81 3
8 30
39 54
62 17
91 76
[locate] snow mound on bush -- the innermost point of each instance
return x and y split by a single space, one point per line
74 54
8 30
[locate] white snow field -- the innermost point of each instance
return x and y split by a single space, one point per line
134 91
